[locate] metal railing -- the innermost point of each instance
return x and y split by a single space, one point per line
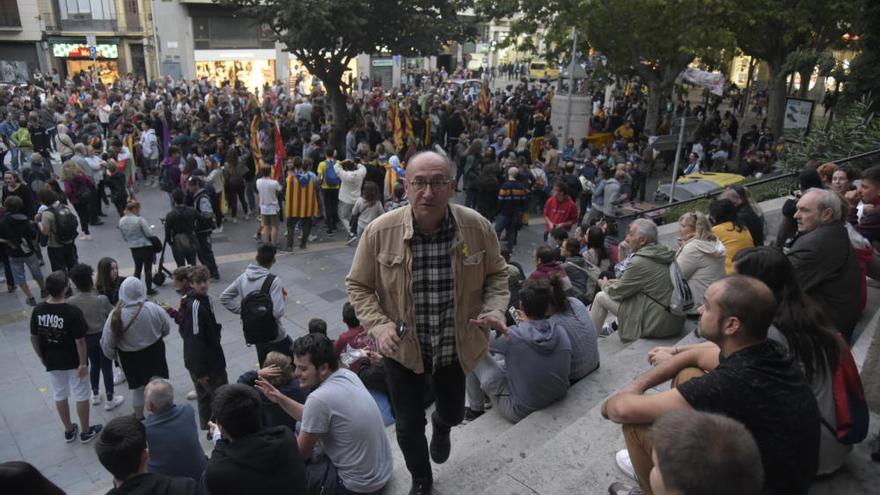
787 175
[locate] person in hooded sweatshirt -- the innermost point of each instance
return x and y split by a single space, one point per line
537 353
122 450
133 334
700 255
248 457
252 279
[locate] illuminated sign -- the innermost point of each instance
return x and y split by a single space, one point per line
81 50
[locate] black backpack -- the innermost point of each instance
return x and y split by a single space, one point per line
257 317
66 224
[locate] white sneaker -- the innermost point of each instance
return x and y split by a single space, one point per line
96 399
118 376
234 220
113 404
191 395
625 464
313 237
218 230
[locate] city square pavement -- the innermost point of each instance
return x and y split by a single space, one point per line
30 429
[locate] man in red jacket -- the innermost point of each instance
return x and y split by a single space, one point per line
559 210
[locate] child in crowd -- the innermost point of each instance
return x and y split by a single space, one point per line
96 308
317 325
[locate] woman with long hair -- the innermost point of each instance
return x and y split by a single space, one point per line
136 233
107 279
80 190
728 228
107 283
133 333
700 255
367 208
807 333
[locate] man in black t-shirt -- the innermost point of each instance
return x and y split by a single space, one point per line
751 380
58 332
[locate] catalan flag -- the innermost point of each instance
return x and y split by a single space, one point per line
301 196
398 129
280 154
128 165
255 143
391 117
483 103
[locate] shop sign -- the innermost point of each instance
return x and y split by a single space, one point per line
81 50
382 62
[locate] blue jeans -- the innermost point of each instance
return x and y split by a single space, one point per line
99 365
505 223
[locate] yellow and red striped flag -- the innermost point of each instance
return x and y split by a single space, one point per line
483 103
255 144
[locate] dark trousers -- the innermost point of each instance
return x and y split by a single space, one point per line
205 393
305 225
99 365
406 389
62 258
83 211
143 262
331 208
101 197
283 346
206 253
505 223
234 196
184 257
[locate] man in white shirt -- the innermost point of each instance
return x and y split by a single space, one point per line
342 414
267 194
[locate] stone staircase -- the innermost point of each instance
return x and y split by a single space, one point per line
568 448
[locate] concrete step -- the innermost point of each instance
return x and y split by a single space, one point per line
499 444
580 457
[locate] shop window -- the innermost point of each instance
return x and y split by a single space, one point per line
9 14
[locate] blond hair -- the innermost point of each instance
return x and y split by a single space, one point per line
698 221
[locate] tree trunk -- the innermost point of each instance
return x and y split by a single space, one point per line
776 94
652 114
339 111
805 75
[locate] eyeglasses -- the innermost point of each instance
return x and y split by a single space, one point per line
421 184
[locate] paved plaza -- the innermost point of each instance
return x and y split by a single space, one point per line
30 428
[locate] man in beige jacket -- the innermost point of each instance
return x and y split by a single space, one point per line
428 282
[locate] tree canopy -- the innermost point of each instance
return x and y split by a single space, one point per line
325 35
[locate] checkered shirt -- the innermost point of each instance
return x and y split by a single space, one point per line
433 289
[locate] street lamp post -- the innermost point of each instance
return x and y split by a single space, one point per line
571 66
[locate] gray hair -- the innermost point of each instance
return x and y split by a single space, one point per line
645 228
79 148
160 393
826 199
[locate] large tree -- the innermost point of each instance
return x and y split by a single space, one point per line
783 33
325 35
653 39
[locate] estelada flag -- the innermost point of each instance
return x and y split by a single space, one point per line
391 117
398 129
280 154
255 143
483 103
301 195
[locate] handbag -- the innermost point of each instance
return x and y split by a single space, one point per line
155 243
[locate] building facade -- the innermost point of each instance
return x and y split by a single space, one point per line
21 35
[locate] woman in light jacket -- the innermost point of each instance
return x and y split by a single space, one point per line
133 334
136 233
700 255
63 143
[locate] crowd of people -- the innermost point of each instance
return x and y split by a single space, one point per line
438 313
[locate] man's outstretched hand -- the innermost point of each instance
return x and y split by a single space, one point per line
490 321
